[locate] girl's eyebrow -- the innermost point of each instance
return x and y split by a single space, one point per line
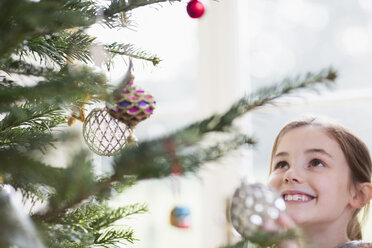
313 150
281 154
318 150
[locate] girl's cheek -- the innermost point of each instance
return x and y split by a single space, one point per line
274 181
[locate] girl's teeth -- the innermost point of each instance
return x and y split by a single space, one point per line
296 198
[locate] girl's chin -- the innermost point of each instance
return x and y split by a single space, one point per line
298 217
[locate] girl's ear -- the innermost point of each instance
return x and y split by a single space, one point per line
362 195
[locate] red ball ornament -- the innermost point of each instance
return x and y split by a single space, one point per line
195 9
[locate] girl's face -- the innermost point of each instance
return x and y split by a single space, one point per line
310 171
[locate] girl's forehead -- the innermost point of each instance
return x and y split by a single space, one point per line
304 131
308 136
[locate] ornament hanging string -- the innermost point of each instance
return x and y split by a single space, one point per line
128 77
176 169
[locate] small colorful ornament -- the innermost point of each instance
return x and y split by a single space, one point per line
77 112
105 135
131 105
195 9
252 206
181 217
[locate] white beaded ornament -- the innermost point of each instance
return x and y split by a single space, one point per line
253 205
104 134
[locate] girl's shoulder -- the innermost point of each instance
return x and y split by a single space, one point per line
356 244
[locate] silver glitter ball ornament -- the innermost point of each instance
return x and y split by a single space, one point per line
253 205
104 134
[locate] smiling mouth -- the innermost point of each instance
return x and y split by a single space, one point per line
297 198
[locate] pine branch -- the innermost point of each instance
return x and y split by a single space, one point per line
66 87
62 236
113 186
118 6
95 216
29 114
97 220
30 126
29 175
87 8
60 47
154 162
110 216
28 138
23 68
122 185
35 178
112 238
160 168
22 20
27 20
264 96
130 51
57 43
78 180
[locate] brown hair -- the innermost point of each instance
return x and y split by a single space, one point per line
356 154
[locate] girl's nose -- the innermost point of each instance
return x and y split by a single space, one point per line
292 176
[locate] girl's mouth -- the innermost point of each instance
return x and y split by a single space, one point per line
297 197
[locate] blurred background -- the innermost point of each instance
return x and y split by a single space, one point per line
237 47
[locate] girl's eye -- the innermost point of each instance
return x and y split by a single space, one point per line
281 165
316 163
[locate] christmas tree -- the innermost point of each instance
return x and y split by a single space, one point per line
46 75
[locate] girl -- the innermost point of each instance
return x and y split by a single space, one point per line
323 173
